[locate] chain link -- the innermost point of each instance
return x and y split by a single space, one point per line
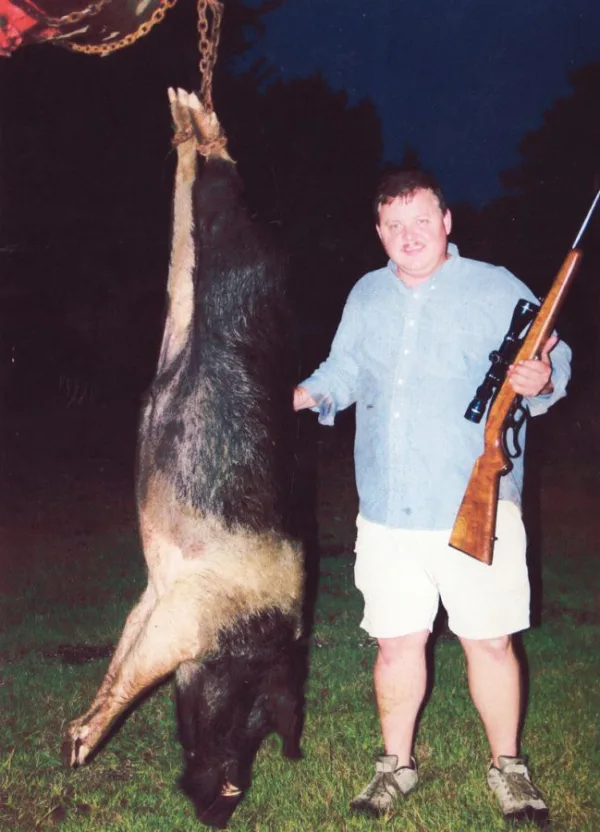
208 44
104 49
75 17
209 32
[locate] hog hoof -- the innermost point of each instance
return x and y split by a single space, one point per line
291 750
74 750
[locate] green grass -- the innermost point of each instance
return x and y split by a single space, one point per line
82 593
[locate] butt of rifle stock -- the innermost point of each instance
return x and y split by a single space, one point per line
474 538
475 526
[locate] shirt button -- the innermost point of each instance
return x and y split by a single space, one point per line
411 322
396 415
416 296
400 381
406 352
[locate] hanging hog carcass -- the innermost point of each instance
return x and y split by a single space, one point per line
222 609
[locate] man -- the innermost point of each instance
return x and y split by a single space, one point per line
412 347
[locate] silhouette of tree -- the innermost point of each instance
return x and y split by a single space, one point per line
532 228
310 163
552 186
88 187
87 178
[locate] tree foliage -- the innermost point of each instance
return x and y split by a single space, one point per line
552 187
310 162
550 190
87 178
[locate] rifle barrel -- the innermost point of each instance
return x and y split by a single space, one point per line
586 220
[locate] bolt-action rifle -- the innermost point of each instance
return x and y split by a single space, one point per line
475 524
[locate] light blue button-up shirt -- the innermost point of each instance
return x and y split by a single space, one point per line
411 360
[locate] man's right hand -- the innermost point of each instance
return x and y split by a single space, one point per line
303 399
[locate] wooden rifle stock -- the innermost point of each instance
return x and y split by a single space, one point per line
475 524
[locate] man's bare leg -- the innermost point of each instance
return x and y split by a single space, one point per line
400 677
495 685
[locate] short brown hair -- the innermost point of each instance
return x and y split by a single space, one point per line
404 183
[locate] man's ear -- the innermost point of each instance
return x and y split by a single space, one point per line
378 229
448 221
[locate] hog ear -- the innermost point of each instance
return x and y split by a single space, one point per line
180 286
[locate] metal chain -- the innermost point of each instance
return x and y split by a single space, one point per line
75 17
104 49
208 45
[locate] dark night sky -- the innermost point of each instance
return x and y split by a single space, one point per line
86 164
460 80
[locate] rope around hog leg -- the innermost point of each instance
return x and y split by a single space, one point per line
202 124
211 140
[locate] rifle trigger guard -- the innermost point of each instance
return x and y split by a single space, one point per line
515 422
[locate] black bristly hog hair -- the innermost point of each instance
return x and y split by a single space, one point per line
223 605
226 428
228 444
224 439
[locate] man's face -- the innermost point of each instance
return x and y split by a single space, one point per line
414 233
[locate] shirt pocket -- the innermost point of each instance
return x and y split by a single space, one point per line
452 346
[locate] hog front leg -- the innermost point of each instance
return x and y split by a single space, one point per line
136 620
169 635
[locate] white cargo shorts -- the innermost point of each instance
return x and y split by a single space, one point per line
402 575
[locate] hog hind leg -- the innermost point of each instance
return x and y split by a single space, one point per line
196 130
210 137
180 287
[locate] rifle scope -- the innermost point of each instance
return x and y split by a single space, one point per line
501 359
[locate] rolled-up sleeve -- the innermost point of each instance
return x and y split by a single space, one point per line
561 373
333 385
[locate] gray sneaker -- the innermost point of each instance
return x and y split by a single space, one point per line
518 797
387 787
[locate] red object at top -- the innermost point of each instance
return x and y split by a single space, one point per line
19 25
